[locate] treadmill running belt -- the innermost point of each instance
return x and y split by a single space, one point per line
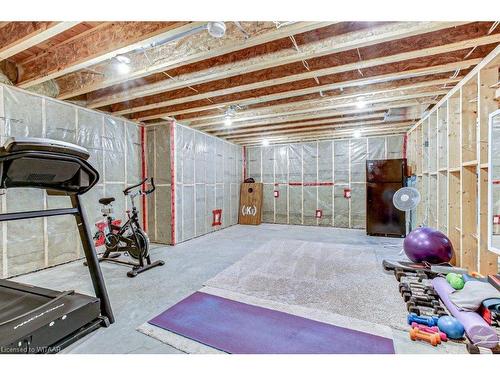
15 303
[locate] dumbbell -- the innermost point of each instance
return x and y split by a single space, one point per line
424 300
416 290
420 310
417 286
429 321
417 281
398 274
433 329
421 300
419 276
415 301
431 338
408 294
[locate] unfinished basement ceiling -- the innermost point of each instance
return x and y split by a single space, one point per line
280 81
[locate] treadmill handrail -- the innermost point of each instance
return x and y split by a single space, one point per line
21 215
48 303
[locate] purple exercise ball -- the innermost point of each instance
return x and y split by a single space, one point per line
429 245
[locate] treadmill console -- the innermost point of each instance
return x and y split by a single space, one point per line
46 164
43 144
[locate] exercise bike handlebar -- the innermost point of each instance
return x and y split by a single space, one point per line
151 189
145 192
126 191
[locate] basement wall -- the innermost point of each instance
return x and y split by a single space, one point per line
207 173
300 179
115 148
448 154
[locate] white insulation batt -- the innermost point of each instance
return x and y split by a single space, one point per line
115 149
307 183
208 172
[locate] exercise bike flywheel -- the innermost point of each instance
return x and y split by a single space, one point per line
143 249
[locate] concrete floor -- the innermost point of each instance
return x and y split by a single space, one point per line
188 266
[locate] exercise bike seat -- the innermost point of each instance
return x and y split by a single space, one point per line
106 201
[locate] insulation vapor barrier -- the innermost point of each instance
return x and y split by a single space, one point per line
207 173
159 216
115 149
318 183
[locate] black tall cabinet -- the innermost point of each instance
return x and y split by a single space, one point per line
383 179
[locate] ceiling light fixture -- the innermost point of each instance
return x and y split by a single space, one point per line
122 68
361 102
216 29
228 121
122 59
357 133
122 64
265 142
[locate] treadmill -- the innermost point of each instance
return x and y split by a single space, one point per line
40 320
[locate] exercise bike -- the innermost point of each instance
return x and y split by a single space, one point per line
128 238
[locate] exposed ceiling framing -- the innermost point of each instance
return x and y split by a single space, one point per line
283 82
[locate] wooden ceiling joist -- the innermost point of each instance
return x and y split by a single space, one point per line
319 110
319 129
234 133
284 119
464 45
16 37
100 44
339 134
178 53
367 91
253 100
334 44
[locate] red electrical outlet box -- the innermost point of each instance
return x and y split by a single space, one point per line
347 193
276 194
319 214
217 219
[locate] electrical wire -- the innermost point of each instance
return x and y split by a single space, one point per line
360 59
304 62
171 77
491 29
281 24
245 33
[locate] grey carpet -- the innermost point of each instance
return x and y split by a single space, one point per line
339 278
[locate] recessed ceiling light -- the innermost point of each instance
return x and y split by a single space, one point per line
122 68
357 134
228 121
265 142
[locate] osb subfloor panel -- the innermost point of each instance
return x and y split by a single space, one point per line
190 264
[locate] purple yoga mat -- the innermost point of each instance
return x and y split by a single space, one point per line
239 328
478 331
